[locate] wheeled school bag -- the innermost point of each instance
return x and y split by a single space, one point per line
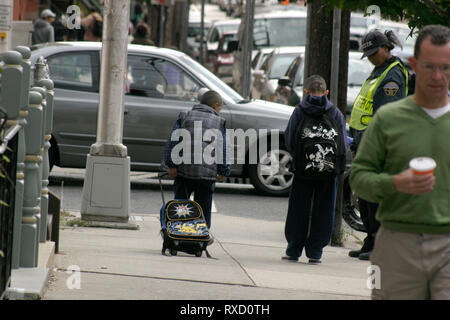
183 226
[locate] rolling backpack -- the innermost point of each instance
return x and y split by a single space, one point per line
319 147
183 226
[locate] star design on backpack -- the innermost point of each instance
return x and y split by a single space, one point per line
182 211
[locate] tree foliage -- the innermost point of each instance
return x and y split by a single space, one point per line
417 13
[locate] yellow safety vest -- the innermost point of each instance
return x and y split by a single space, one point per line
362 110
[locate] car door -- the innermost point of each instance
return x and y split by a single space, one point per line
75 75
158 90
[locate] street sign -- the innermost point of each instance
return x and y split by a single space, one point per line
5 17
163 2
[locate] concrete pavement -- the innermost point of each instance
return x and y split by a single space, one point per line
127 264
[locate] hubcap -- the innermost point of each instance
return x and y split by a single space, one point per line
274 170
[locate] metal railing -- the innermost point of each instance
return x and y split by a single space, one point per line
8 160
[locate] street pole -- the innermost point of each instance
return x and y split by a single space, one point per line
336 238
6 12
247 48
202 27
106 189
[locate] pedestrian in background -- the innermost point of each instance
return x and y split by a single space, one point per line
412 247
317 140
43 30
92 27
387 82
199 178
142 35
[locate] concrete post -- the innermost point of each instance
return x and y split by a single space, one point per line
14 82
20 175
106 189
31 203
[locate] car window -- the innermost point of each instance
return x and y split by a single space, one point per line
214 83
159 78
214 35
72 70
195 30
265 64
280 65
273 32
255 60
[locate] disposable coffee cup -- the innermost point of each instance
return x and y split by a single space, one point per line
422 165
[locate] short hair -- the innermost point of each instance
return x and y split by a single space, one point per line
315 84
438 35
210 98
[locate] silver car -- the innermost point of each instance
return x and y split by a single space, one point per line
290 86
160 83
274 67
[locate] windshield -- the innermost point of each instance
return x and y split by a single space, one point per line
195 30
221 87
278 32
280 65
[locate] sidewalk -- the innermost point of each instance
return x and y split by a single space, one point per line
127 264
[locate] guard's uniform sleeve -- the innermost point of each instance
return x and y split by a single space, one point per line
392 88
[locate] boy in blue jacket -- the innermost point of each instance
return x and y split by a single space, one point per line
309 221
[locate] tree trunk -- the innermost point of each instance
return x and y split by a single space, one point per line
319 55
320 41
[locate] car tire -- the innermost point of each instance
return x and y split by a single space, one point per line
272 180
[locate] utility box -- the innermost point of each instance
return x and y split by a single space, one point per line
106 195
21 33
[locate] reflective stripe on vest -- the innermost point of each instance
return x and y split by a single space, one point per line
362 110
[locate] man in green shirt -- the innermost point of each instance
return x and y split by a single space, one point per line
412 246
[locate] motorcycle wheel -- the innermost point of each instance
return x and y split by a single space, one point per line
351 214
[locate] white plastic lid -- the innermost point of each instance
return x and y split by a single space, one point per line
422 164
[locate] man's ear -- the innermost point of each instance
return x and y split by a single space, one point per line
413 63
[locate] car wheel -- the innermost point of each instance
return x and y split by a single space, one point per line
273 174
351 214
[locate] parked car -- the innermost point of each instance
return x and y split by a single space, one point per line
223 58
212 39
290 86
162 83
275 66
193 37
277 28
257 62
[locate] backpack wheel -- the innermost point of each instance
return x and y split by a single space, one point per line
173 252
198 254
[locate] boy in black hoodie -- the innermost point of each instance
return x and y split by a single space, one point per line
311 196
